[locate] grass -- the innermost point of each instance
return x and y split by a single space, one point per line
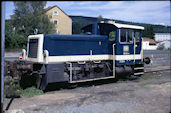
30 92
13 90
146 77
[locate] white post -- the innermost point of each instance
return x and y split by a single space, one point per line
142 50
134 48
114 60
2 52
91 53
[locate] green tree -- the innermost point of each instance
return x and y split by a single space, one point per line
12 39
148 32
28 16
31 15
151 33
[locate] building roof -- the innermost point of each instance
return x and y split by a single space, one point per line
51 7
151 41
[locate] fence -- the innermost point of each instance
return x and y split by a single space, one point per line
158 57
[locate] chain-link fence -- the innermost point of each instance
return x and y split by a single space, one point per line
158 57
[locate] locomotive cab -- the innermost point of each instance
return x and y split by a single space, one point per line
127 40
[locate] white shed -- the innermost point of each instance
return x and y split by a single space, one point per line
149 44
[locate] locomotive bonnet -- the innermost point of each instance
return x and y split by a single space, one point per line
102 51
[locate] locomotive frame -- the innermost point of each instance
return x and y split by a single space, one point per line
56 58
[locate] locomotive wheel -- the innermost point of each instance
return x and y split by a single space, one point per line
72 86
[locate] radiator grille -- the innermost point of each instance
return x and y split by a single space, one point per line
33 46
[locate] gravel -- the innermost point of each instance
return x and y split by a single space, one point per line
147 94
143 95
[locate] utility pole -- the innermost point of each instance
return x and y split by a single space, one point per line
2 52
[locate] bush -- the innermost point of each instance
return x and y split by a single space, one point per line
11 89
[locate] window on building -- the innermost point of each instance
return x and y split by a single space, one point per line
55 13
56 31
55 22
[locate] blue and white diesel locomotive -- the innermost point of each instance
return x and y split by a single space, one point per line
102 51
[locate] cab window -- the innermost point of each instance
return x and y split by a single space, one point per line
137 36
112 36
126 35
123 35
130 35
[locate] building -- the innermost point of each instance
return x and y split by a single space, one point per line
162 37
149 44
63 23
166 44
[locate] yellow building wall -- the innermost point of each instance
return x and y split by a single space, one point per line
64 25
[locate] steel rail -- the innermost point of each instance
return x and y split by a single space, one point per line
157 70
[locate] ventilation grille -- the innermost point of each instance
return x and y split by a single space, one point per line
33 46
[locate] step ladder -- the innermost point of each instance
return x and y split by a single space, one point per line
138 69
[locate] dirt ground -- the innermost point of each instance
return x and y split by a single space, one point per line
147 94
150 93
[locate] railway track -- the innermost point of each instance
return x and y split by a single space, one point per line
157 69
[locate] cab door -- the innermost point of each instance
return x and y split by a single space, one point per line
126 43
137 41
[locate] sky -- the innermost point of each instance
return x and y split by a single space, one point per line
152 12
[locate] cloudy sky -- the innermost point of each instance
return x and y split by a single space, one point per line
153 12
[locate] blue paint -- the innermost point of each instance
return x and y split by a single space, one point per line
127 62
119 46
95 29
64 45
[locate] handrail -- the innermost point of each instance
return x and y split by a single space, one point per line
24 54
134 49
142 50
46 55
114 60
